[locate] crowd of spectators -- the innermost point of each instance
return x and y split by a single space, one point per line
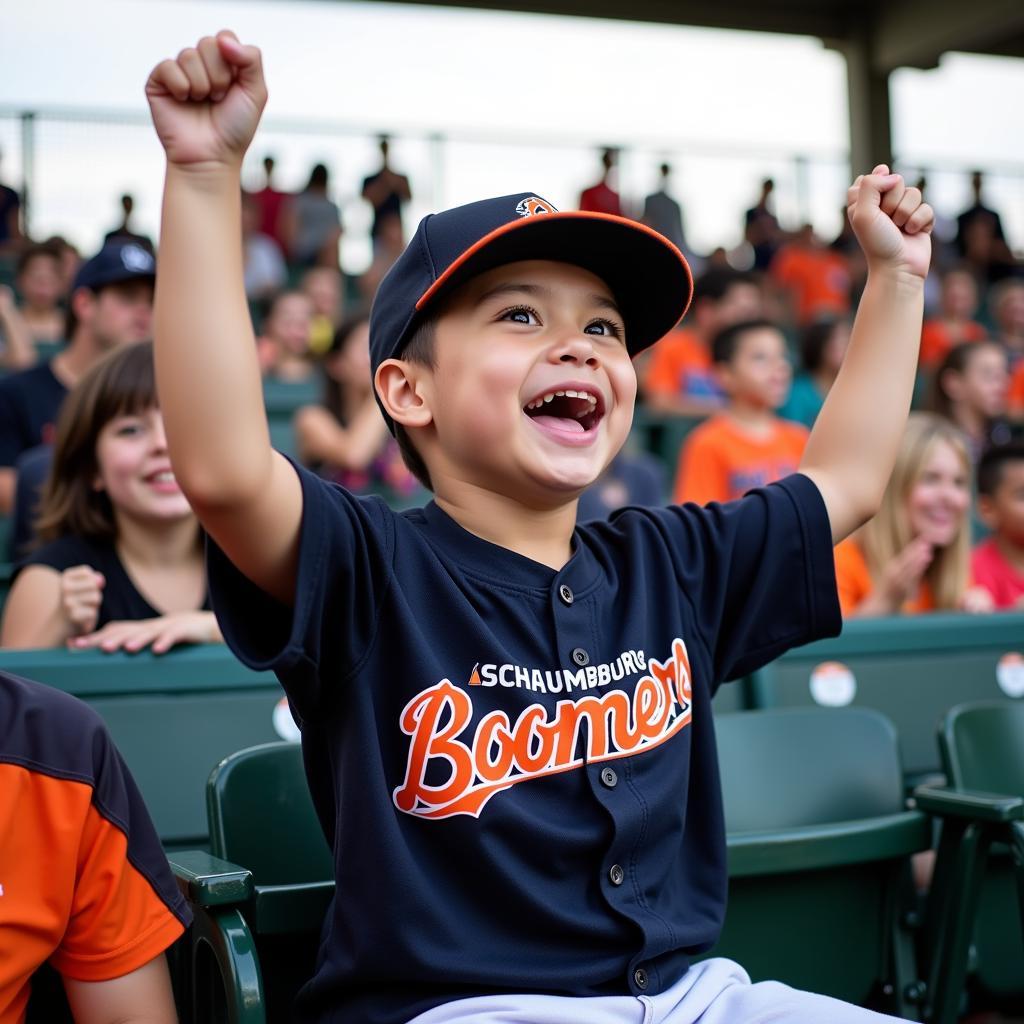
735 387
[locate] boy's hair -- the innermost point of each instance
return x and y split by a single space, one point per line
993 463
121 383
419 349
726 343
715 283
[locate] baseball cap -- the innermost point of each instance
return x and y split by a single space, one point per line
116 261
647 274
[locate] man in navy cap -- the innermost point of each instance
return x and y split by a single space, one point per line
111 303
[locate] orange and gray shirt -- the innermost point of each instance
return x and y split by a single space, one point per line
84 883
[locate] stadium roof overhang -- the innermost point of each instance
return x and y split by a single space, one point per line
875 36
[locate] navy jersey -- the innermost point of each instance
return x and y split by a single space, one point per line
516 767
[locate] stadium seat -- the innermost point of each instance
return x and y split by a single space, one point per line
819 848
982 748
273 907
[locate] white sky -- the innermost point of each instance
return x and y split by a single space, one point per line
521 100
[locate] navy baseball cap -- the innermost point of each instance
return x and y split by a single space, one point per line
647 274
117 261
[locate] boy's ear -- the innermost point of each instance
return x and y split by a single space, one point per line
402 391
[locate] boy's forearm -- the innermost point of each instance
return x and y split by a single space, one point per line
855 438
208 376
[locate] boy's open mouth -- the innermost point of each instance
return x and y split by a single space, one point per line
570 410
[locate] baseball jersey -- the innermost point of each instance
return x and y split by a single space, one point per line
990 569
680 367
515 766
84 883
853 582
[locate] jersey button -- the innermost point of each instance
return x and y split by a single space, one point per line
616 874
580 656
640 977
565 593
609 777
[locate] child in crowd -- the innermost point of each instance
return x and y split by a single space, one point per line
679 377
346 439
822 347
121 564
283 348
971 389
958 304
998 562
41 289
1006 303
747 445
86 886
323 286
506 719
914 555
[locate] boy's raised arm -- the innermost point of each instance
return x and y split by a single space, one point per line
852 448
206 105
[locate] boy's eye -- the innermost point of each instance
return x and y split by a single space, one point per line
128 429
608 328
521 315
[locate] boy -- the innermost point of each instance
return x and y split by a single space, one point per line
998 562
747 445
505 721
679 378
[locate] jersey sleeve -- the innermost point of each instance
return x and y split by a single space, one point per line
758 572
345 551
126 908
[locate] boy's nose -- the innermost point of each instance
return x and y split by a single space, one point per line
578 349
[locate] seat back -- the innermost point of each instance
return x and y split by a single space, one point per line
794 767
982 747
262 817
819 846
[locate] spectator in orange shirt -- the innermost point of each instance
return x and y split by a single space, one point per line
998 562
815 277
970 389
1015 398
914 556
746 445
679 378
958 302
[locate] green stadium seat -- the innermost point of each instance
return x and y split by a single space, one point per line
282 399
911 668
283 892
173 717
819 848
982 746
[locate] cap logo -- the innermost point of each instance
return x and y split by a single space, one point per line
532 206
136 259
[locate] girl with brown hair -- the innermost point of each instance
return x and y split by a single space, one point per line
121 561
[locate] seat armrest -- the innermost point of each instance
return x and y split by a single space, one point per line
814 847
209 881
989 808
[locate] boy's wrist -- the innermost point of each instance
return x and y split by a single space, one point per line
207 175
895 274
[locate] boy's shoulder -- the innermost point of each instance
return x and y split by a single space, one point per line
48 730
